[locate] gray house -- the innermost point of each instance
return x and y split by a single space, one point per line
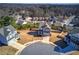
44 31
73 24
8 34
75 21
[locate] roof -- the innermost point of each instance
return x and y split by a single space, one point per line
75 20
75 38
68 21
58 23
20 21
4 31
39 48
44 29
61 44
53 19
74 30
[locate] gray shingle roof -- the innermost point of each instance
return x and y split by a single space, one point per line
74 30
4 32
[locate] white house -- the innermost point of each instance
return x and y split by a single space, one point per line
8 35
28 19
22 21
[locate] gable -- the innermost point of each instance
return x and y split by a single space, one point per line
4 31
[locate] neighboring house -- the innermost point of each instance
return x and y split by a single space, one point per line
58 23
71 41
44 31
73 24
8 34
68 21
52 20
17 16
20 21
28 19
40 18
23 20
75 21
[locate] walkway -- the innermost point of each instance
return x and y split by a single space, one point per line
17 45
45 39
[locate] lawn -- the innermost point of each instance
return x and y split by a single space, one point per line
7 50
54 36
25 37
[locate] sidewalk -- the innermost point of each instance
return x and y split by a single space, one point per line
17 45
45 39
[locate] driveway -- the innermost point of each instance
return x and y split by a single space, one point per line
45 39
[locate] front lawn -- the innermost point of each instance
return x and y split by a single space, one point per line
25 37
7 50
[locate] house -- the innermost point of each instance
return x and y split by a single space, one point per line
73 24
44 31
8 35
58 23
75 21
71 41
28 19
68 21
20 21
52 20
62 22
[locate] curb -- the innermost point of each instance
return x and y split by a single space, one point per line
26 45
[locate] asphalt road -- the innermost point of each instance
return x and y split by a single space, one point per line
39 49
